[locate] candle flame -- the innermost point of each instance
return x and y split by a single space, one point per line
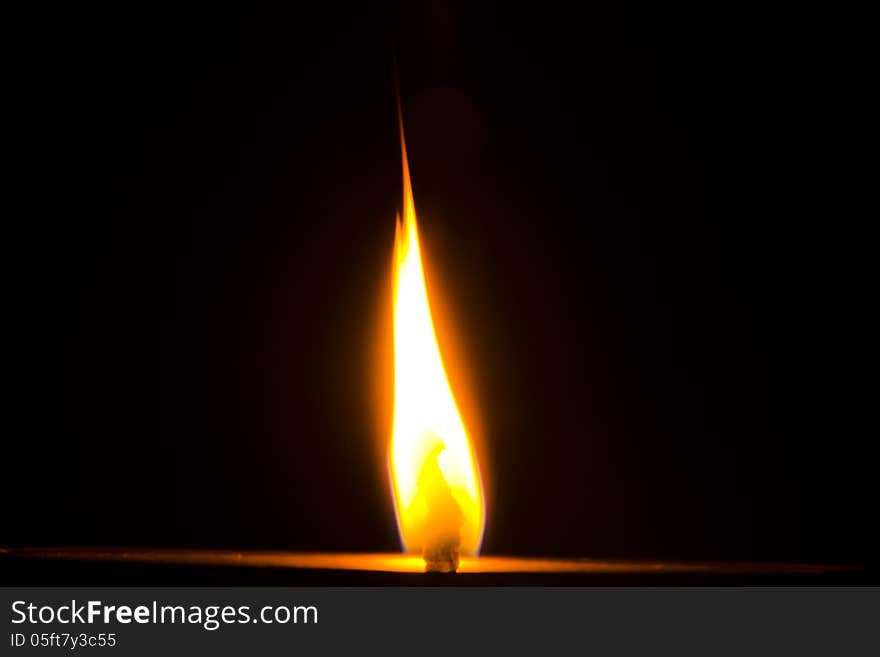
437 491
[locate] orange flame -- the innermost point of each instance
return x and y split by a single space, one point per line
438 494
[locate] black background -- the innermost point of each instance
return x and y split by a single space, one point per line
636 215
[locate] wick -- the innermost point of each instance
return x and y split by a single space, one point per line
441 542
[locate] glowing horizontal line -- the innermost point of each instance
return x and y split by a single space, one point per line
406 563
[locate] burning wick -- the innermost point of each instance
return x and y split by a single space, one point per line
441 538
438 495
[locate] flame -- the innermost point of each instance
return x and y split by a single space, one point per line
438 495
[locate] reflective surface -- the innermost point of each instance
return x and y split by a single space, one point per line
403 563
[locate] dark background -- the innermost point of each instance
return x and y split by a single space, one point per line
636 215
